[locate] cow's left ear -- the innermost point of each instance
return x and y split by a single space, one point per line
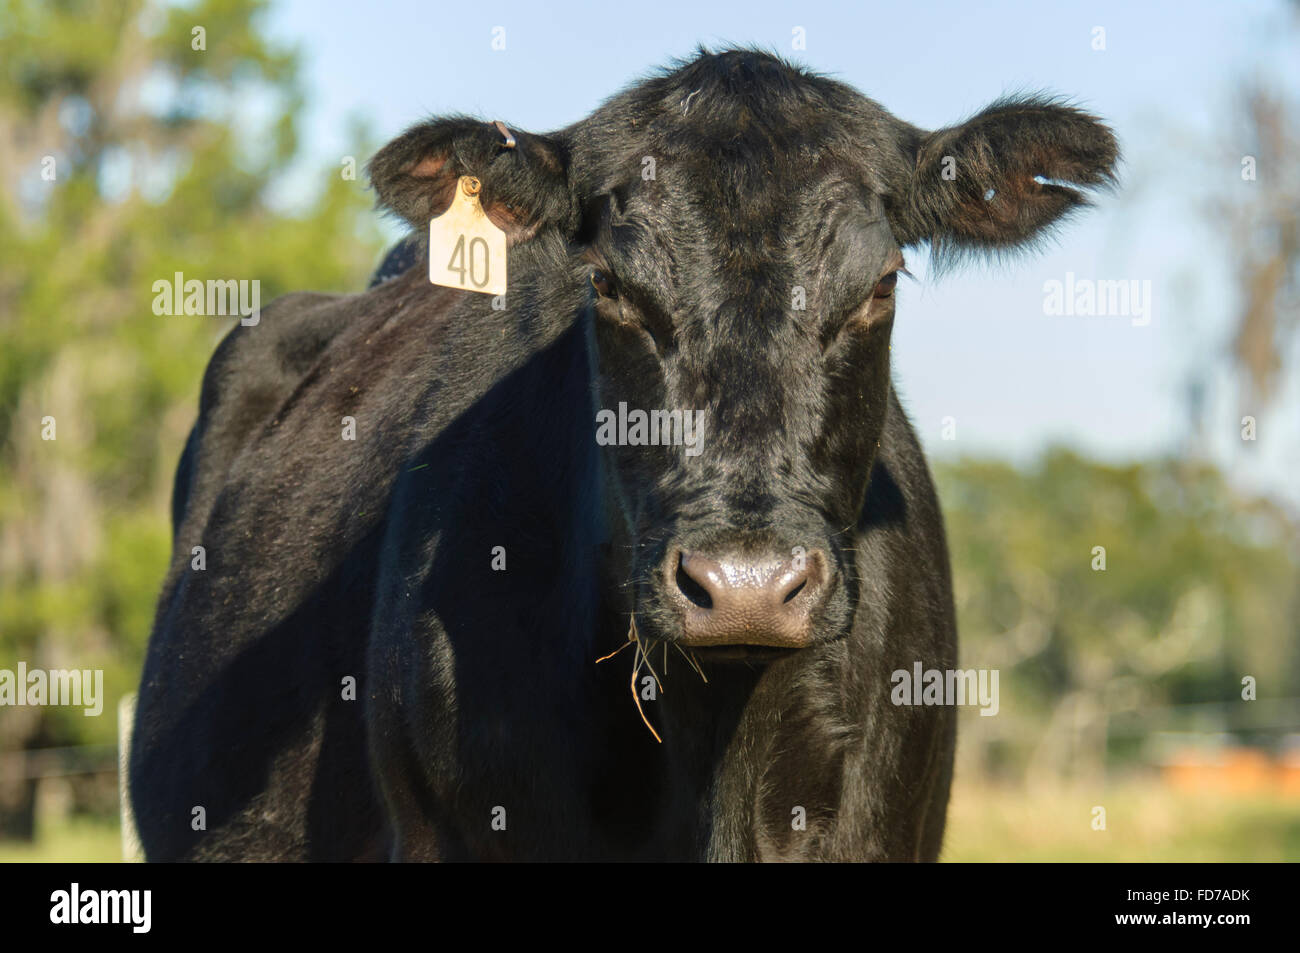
999 179
522 176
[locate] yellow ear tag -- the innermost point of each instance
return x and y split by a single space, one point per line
466 250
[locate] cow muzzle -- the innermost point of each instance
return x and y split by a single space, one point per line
733 599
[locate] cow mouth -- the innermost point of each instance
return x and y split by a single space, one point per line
644 648
762 654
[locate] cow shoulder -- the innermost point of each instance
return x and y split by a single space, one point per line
255 366
251 373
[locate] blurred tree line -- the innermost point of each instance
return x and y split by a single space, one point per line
1262 224
128 154
136 140
1100 591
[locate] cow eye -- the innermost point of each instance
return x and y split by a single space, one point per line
603 284
885 286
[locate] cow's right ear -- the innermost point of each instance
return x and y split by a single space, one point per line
524 186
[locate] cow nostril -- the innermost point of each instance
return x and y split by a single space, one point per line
691 589
794 593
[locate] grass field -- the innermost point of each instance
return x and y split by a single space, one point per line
1144 822
78 839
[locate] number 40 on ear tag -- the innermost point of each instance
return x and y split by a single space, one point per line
466 250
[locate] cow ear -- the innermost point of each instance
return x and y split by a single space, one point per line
523 181
1000 179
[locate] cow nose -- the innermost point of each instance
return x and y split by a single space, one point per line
745 600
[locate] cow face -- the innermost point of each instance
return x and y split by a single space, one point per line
739 227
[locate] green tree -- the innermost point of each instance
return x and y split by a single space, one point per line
1199 588
136 140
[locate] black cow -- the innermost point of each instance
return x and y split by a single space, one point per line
722 239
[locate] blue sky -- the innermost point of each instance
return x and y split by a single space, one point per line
976 345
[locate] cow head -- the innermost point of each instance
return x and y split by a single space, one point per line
739 227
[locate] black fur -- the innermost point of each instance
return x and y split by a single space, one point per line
399 259
475 429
